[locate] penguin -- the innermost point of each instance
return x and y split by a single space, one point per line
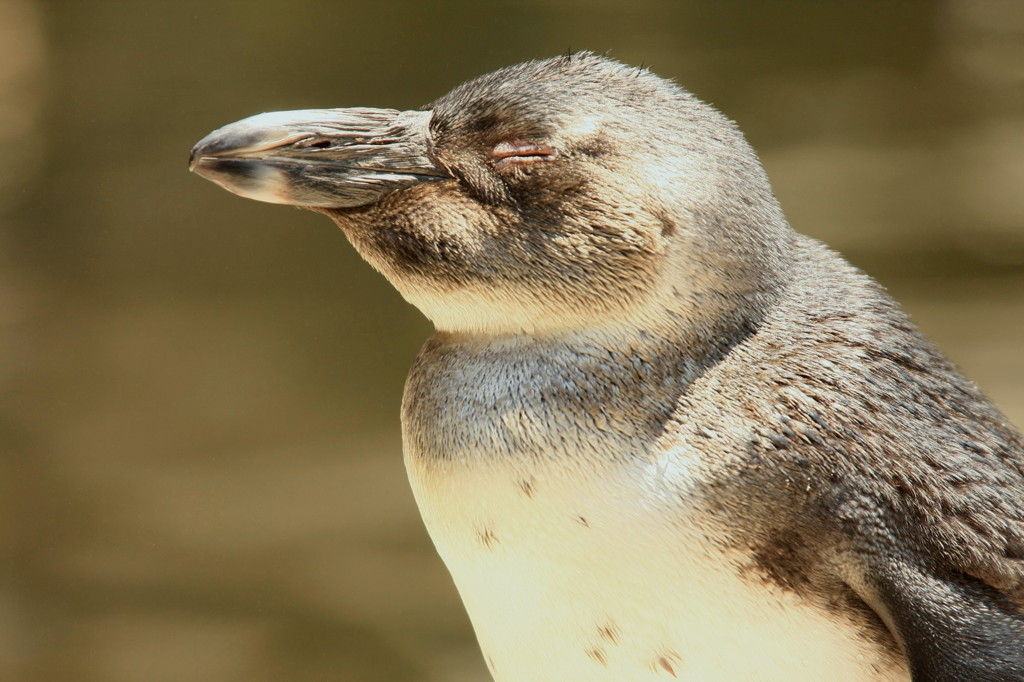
656 433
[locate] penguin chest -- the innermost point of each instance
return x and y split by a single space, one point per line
574 574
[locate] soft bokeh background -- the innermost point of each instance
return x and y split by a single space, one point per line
200 469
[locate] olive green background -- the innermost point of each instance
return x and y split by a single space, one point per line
200 466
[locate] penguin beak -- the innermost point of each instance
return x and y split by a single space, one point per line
324 158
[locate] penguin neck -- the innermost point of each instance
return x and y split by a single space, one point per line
608 391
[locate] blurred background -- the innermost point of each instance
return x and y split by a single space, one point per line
200 464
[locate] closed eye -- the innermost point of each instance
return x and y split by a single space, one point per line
520 153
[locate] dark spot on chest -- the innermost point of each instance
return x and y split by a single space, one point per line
609 632
487 538
527 486
667 662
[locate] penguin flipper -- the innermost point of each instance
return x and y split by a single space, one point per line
953 628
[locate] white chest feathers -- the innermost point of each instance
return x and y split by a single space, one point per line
575 574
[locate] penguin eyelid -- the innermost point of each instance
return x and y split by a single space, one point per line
521 152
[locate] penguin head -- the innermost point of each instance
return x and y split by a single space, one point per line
552 196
